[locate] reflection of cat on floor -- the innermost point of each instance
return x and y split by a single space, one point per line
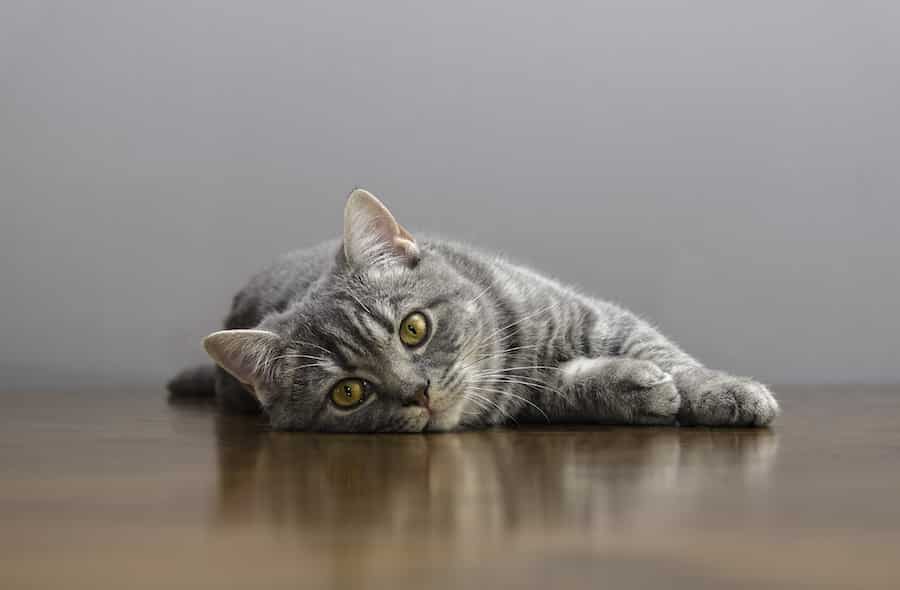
486 483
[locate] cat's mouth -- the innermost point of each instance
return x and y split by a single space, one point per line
438 403
443 414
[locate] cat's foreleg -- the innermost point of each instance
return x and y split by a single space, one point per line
617 390
708 397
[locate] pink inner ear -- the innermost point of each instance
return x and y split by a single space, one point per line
240 351
384 226
405 234
406 248
371 231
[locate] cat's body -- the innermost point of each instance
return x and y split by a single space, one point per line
487 342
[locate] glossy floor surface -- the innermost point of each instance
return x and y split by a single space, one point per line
127 491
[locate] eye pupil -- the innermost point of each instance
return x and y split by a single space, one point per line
414 329
349 392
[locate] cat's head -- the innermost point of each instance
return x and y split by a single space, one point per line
386 340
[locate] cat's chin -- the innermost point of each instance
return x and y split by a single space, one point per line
444 421
438 425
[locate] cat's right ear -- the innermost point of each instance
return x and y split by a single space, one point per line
246 355
372 235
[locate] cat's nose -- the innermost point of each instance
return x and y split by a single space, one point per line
420 397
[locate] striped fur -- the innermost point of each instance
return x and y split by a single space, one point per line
506 345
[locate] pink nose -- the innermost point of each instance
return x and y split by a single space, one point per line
421 398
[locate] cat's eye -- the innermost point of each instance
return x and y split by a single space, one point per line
414 329
348 393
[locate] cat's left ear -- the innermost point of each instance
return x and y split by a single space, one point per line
247 355
372 235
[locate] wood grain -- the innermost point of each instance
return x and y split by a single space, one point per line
125 490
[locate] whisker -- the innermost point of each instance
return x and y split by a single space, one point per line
465 344
523 368
487 339
522 319
507 351
500 353
477 297
532 384
491 402
481 405
517 379
513 395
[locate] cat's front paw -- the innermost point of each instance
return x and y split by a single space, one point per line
714 398
644 393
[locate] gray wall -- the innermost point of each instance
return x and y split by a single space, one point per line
727 169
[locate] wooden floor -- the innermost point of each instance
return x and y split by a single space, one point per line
127 491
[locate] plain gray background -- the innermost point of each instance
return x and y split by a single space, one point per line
729 170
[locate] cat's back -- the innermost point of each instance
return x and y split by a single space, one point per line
284 281
486 268
288 278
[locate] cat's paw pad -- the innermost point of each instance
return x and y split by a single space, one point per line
725 400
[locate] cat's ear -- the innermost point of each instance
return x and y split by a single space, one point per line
246 355
372 235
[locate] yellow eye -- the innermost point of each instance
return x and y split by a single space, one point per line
414 329
348 393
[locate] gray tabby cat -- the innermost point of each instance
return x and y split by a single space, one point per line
385 333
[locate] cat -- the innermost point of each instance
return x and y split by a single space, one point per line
383 332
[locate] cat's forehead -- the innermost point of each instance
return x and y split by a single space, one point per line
389 278
392 289
365 306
